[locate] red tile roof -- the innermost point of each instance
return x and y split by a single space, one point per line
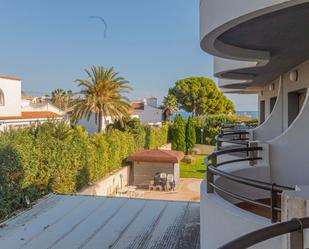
138 105
33 115
8 78
162 156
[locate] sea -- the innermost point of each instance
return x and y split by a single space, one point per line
253 114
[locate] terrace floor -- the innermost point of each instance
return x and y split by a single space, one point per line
188 190
75 221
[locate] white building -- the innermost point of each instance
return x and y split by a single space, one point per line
259 47
16 112
146 110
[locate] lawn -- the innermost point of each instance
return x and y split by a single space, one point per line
194 170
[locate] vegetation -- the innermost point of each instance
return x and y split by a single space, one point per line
190 134
61 98
210 128
170 106
54 157
102 95
179 134
200 96
196 169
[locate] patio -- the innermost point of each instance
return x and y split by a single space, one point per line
188 190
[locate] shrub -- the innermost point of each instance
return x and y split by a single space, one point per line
190 134
179 134
52 157
212 127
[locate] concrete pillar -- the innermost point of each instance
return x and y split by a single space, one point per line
295 204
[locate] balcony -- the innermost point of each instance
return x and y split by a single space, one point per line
238 191
259 40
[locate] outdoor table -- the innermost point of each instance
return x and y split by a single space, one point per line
131 190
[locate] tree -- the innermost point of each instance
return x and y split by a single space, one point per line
170 106
190 134
179 134
200 96
60 98
102 95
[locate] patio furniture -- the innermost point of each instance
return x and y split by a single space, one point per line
152 185
158 187
160 180
131 190
170 182
120 192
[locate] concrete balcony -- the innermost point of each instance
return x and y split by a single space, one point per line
224 218
259 40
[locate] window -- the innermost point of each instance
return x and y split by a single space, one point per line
1 98
273 101
262 111
296 100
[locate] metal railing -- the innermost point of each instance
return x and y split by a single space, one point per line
293 227
234 134
233 137
252 155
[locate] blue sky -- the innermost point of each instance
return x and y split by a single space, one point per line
150 43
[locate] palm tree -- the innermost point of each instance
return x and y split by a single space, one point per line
60 98
170 105
101 95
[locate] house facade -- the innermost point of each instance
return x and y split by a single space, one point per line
17 112
259 47
145 110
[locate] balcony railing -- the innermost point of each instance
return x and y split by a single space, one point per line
293 227
252 152
232 137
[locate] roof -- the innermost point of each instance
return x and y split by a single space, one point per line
33 115
76 221
163 156
9 78
29 97
138 105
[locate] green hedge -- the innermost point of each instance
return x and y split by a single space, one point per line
211 128
56 158
156 137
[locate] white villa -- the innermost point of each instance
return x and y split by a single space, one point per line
17 112
259 177
146 110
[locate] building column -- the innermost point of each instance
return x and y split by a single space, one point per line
295 204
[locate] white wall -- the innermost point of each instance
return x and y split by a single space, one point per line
91 127
109 184
30 107
289 160
222 222
12 97
273 125
150 115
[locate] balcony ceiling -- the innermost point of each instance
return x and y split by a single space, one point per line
284 34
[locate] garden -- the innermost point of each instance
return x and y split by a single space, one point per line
54 157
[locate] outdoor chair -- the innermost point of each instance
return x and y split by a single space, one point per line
170 182
152 185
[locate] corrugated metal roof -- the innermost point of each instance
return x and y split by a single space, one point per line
75 221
